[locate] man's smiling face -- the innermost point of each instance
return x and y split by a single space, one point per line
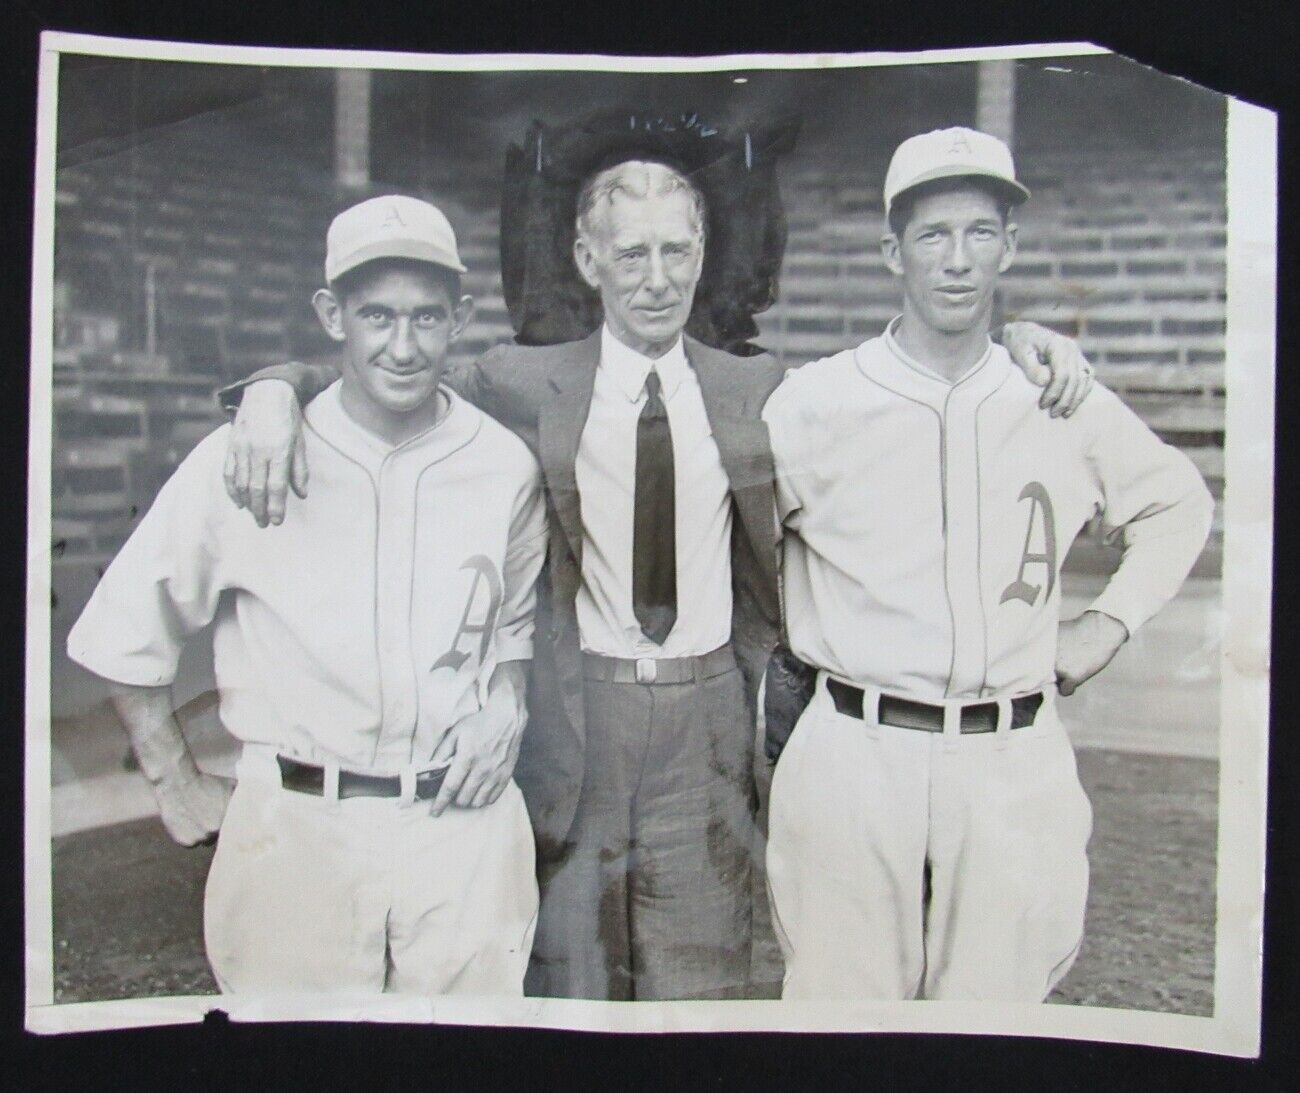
396 320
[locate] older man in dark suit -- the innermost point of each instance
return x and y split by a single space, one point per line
662 611
658 612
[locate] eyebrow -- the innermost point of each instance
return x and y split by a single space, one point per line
434 305
930 225
677 241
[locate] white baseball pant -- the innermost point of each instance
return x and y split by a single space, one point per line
903 863
310 893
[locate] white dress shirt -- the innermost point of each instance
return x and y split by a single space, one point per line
606 476
927 521
364 626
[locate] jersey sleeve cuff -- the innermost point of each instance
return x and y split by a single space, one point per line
291 372
230 396
131 671
1125 608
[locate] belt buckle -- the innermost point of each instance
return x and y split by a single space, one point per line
646 670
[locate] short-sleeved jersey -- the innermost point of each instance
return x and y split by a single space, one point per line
927 521
366 624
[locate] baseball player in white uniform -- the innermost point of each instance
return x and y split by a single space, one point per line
363 652
928 830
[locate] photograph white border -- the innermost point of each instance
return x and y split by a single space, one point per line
1247 592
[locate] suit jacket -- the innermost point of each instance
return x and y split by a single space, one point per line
544 393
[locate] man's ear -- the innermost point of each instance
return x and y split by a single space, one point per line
889 248
585 259
1009 256
460 317
329 310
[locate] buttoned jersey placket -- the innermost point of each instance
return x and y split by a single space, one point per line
962 533
395 484
956 407
395 476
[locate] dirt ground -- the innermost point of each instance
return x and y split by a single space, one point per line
128 903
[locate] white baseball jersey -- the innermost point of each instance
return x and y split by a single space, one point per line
926 526
369 622
930 520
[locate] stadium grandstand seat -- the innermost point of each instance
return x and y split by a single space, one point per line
251 345
179 411
186 433
92 480
258 302
197 344
72 538
81 417
192 301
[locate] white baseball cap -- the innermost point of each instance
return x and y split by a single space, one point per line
951 153
389 227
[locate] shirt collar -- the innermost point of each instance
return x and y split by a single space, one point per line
327 417
892 343
628 368
883 362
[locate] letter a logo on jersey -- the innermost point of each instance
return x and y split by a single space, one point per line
484 573
1039 503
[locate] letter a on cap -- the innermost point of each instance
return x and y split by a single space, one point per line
949 153
389 227
960 145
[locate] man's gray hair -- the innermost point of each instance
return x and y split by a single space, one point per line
637 178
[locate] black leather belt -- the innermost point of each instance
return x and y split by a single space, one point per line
905 713
309 778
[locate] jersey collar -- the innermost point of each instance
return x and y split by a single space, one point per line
326 417
884 361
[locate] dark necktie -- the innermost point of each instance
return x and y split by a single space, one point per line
654 527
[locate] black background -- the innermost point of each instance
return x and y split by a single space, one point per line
1244 49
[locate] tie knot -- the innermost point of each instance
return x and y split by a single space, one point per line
652 384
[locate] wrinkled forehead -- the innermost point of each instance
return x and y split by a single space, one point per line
958 202
656 216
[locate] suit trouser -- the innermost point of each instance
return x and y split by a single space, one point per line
368 894
650 895
904 863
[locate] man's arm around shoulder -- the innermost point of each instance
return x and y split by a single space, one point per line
308 379
507 382
475 382
266 454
